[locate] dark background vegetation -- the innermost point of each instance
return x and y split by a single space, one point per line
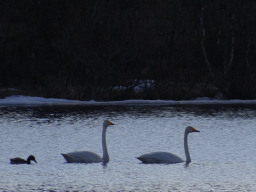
85 49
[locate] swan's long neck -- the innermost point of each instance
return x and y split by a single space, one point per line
105 157
188 160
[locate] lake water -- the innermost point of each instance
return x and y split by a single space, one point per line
223 153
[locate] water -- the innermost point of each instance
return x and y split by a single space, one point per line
223 153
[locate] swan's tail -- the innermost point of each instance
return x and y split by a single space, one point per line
143 160
67 158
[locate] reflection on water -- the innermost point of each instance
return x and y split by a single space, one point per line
223 153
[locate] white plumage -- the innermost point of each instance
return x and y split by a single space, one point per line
160 157
91 157
82 157
165 157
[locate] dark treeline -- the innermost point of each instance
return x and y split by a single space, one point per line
94 49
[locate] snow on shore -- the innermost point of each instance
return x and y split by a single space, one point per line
19 100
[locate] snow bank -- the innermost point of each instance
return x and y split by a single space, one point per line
19 100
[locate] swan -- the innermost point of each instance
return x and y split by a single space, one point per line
90 157
18 160
165 157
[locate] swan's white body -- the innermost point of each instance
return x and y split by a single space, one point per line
90 157
165 157
160 157
82 157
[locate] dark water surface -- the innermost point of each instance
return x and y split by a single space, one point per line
223 153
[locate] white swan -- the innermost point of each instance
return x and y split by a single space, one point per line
90 157
165 157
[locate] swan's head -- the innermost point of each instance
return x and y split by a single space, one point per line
190 129
31 158
106 123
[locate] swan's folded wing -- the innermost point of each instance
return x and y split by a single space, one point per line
82 157
160 157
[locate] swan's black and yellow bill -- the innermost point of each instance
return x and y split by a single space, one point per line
110 123
194 130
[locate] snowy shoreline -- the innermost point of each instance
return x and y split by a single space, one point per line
19 100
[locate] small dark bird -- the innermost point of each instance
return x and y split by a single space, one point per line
18 160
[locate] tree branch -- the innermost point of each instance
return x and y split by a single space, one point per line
203 44
232 47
